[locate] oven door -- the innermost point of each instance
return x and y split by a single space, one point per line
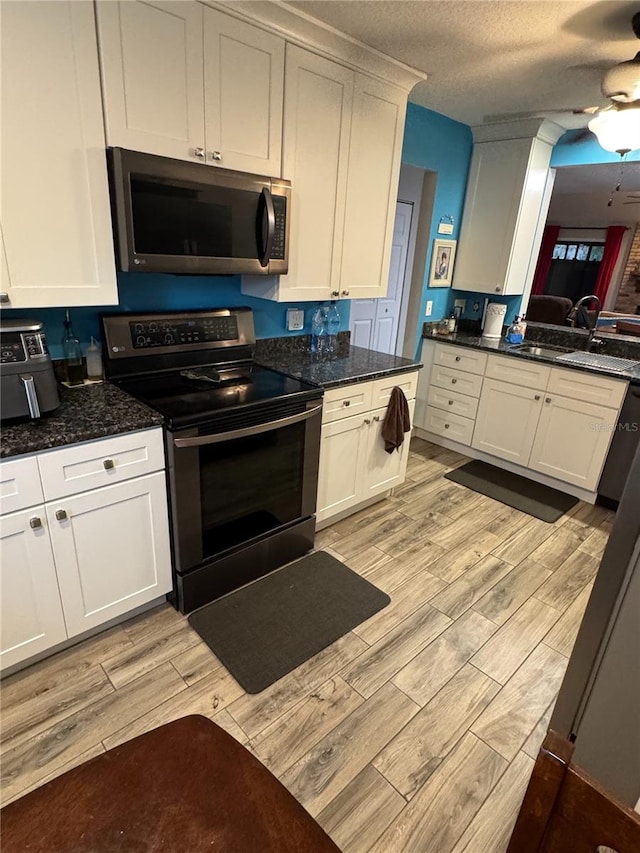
233 488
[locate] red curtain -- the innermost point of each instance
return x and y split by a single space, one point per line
549 240
615 233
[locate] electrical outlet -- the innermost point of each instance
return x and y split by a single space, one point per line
429 308
460 303
295 319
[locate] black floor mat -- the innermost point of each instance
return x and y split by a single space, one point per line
538 500
264 630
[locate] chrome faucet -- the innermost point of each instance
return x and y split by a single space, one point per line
578 312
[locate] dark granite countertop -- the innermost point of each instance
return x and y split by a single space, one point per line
86 413
503 348
355 364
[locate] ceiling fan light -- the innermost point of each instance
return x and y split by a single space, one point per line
617 130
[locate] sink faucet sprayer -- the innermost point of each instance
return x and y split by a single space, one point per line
578 312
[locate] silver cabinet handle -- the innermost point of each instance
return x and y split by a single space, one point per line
199 153
497 290
346 402
548 400
537 397
335 293
451 402
61 515
35 523
367 421
32 396
4 299
345 292
376 418
457 358
217 156
109 464
453 381
446 426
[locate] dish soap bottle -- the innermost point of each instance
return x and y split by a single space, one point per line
73 364
515 332
94 361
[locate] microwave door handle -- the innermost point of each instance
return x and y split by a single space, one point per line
268 217
32 397
197 441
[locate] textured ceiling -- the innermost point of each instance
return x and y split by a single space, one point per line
494 59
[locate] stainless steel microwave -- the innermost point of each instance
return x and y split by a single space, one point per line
173 216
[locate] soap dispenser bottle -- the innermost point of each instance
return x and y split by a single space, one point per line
515 332
94 361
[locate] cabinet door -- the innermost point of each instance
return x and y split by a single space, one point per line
243 92
572 441
494 191
317 122
111 549
377 127
153 90
384 470
342 449
32 619
54 198
506 421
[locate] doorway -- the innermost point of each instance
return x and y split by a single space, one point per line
375 323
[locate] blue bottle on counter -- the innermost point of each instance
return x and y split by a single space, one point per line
333 327
320 334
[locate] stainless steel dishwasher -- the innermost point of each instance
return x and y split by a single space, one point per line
623 448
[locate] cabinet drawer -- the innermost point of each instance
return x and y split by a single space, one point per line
346 401
451 401
461 358
456 380
19 484
588 387
382 388
100 463
449 425
519 371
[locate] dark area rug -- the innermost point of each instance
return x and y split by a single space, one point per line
542 502
264 630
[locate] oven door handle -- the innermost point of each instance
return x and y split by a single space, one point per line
198 441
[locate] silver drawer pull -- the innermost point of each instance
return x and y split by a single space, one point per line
453 381
109 464
446 426
346 402
451 402
548 400
35 523
61 515
367 421
376 418
457 358
537 397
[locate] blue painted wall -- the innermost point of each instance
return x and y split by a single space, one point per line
574 149
152 292
437 143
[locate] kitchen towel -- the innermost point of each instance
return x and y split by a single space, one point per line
396 421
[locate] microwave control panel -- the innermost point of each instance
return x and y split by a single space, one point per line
280 230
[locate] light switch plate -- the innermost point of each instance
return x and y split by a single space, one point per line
429 308
295 319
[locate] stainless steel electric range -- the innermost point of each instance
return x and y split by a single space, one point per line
242 444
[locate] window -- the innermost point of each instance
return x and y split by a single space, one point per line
574 268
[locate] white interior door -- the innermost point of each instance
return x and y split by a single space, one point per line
374 322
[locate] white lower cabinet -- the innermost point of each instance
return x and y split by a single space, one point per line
32 619
111 550
84 557
506 421
572 441
354 466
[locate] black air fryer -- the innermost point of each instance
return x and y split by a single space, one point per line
28 387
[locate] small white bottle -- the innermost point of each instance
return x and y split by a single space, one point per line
94 361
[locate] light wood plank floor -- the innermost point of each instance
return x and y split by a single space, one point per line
415 732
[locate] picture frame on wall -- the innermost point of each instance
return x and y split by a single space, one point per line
442 259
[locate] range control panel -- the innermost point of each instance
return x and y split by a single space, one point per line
18 347
165 333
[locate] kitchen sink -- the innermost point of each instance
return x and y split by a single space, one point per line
548 350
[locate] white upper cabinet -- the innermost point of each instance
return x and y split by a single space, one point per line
54 199
342 143
151 55
505 209
243 86
185 81
377 126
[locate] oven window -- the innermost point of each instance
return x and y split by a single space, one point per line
180 218
250 486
